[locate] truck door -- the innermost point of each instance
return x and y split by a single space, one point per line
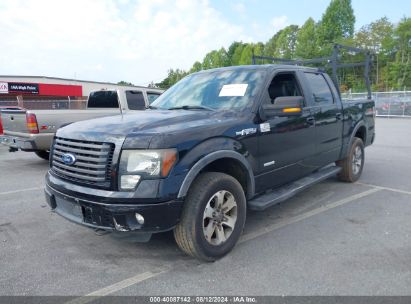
327 111
286 142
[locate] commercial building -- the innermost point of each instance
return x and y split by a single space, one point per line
41 92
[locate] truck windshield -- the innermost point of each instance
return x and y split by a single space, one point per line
217 90
103 99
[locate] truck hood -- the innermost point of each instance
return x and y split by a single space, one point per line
141 127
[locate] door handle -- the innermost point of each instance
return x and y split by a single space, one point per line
310 120
338 116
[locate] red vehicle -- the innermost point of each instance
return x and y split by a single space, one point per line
6 108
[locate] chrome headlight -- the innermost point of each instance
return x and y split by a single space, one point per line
144 164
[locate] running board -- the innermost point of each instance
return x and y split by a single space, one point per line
283 193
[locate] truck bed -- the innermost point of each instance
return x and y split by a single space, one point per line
48 121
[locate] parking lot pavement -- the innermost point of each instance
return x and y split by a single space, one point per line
20 170
333 239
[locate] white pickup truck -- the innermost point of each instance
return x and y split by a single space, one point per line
33 130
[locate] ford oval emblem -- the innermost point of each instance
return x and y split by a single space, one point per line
68 158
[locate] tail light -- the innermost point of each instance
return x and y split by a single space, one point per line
32 123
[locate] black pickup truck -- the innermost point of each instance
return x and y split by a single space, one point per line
217 143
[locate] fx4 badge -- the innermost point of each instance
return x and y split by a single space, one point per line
246 131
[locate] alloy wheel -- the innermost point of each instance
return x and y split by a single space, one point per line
219 218
357 160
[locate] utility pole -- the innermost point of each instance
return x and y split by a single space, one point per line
377 71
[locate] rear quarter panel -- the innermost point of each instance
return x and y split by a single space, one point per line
357 114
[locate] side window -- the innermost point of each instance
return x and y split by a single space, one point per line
151 96
103 99
319 87
283 84
135 100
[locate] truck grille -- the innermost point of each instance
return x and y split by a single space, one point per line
92 161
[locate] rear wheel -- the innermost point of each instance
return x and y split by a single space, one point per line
213 217
352 165
43 154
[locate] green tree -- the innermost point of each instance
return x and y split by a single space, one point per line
378 36
400 69
337 22
235 59
222 57
231 51
173 77
196 67
306 44
271 45
259 49
286 42
210 60
246 55
215 59
125 83
391 46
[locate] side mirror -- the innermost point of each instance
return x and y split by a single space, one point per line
284 106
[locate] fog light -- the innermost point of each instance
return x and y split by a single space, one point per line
129 182
139 218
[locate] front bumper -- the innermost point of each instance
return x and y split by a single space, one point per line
121 217
18 143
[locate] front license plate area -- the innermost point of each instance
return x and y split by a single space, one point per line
71 210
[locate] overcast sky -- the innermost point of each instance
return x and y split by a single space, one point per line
138 41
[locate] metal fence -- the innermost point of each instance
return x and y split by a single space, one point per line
46 104
388 104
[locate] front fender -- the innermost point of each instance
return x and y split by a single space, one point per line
193 159
203 162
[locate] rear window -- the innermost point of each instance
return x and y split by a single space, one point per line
319 87
103 99
135 100
151 96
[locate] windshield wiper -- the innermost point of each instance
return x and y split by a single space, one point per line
192 108
152 107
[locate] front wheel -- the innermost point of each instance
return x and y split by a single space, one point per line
43 154
213 217
352 165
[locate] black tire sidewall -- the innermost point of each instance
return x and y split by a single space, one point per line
43 154
235 189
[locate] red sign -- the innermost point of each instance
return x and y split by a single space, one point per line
60 89
42 89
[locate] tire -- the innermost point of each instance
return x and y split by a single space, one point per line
352 165
43 154
202 215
